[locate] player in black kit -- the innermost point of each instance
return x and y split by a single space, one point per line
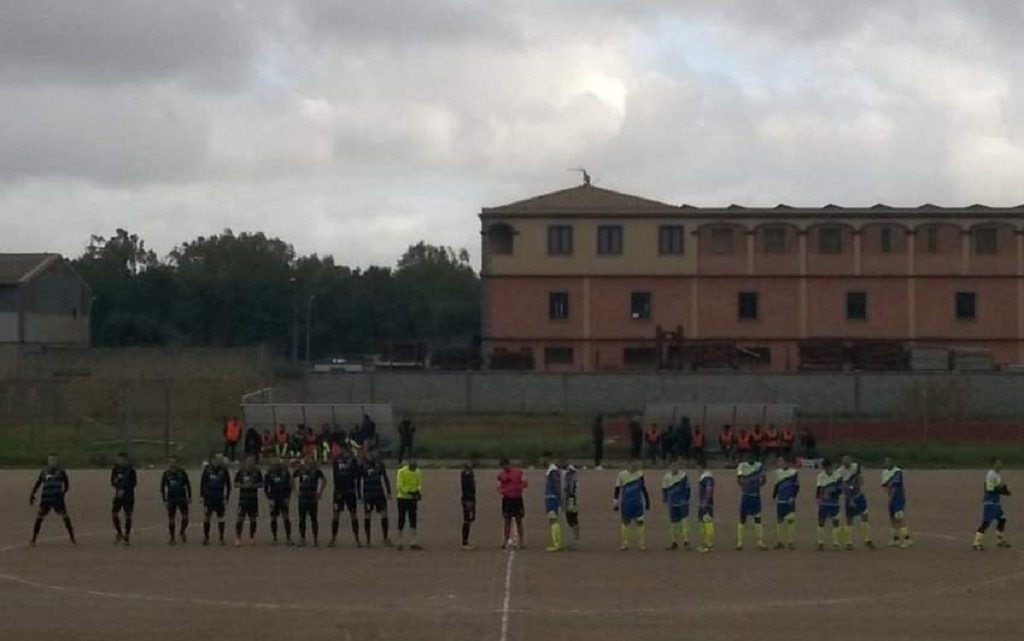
347 486
215 489
311 482
277 484
248 480
468 480
376 493
123 479
176 492
54 482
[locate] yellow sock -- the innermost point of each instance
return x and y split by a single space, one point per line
739 534
556 535
865 528
778 530
624 534
672 527
711 534
821 535
896 534
641 534
905 533
759 533
837 535
791 529
684 527
978 538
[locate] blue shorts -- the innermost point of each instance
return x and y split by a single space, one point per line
631 511
896 506
782 510
992 512
856 506
552 504
677 513
706 510
827 512
750 506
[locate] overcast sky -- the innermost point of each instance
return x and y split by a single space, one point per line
357 127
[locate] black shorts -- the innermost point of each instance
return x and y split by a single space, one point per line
57 505
177 505
468 510
512 508
126 503
215 506
278 507
378 504
312 508
344 502
249 509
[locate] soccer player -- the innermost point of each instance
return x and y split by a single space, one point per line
632 502
347 493
376 490
553 502
750 477
467 481
249 480
829 490
176 492
570 499
277 485
892 481
311 483
55 485
855 503
992 509
123 479
408 490
511 484
785 491
675 494
706 509
215 489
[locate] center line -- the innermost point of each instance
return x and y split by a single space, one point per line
508 596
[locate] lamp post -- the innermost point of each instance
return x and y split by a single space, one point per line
309 323
295 321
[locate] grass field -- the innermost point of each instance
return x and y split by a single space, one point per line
938 589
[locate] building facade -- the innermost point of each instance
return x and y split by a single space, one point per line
43 301
588 279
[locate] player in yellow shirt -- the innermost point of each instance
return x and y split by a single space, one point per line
408 491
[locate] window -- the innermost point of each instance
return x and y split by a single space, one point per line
886 239
559 240
670 239
830 240
856 306
747 305
773 240
501 238
640 305
932 239
558 305
609 239
640 356
986 240
966 305
558 356
721 240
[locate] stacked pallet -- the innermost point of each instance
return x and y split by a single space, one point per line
927 358
879 355
973 360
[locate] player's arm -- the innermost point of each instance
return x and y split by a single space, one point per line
35 488
796 488
1002 489
775 490
387 483
65 481
202 483
188 486
163 488
321 484
617 494
664 493
133 479
227 486
113 476
686 491
647 497
359 484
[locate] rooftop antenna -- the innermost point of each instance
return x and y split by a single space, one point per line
583 172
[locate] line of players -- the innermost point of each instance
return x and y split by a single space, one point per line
363 478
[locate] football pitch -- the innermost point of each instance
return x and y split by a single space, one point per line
937 589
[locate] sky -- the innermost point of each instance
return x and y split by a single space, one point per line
356 128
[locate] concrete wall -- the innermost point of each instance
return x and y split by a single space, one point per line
884 395
8 327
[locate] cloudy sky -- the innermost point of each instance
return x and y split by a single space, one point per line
354 128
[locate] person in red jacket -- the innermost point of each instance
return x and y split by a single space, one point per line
511 484
727 443
697 444
788 438
651 441
757 440
281 441
771 441
744 445
232 434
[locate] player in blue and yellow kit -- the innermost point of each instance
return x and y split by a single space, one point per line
992 509
570 499
675 494
829 491
892 481
553 502
750 478
632 502
855 503
706 507
787 487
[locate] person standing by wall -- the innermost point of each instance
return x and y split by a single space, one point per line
597 436
684 438
636 437
232 434
406 434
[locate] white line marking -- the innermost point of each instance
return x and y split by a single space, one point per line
508 596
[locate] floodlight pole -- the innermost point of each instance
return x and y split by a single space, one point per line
309 323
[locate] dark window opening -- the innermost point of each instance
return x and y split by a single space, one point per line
856 306
670 239
932 239
501 238
773 240
747 305
830 240
966 305
640 356
558 305
559 240
640 305
886 239
754 356
986 240
558 356
609 239
721 240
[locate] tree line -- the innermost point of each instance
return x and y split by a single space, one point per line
247 289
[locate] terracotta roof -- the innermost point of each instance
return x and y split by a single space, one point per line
583 199
19 268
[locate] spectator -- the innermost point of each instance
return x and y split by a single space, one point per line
651 437
727 443
744 445
771 441
406 434
252 443
267 444
684 437
368 432
232 434
297 439
597 434
787 441
323 442
757 441
697 445
636 437
309 443
667 439
808 444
